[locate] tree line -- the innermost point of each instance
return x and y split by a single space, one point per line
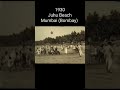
26 37
105 27
74 37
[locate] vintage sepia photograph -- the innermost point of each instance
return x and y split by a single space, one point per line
17 35
102 54
59 44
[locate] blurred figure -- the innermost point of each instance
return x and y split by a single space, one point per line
62 47
108 53
39 50
100 54
80 50
66 50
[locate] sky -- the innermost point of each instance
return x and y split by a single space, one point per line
15 16
102 7
41 32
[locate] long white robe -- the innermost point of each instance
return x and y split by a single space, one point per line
108 56
66 51
80 50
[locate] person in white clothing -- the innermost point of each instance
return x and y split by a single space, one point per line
66 51
108 54
39 51
80 50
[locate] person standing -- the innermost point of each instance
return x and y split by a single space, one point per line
80 50
39 50
66 51
108 54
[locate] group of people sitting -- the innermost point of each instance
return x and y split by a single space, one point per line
16 58
44 50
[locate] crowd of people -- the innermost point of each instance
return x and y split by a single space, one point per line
103 53
56 49
17 58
